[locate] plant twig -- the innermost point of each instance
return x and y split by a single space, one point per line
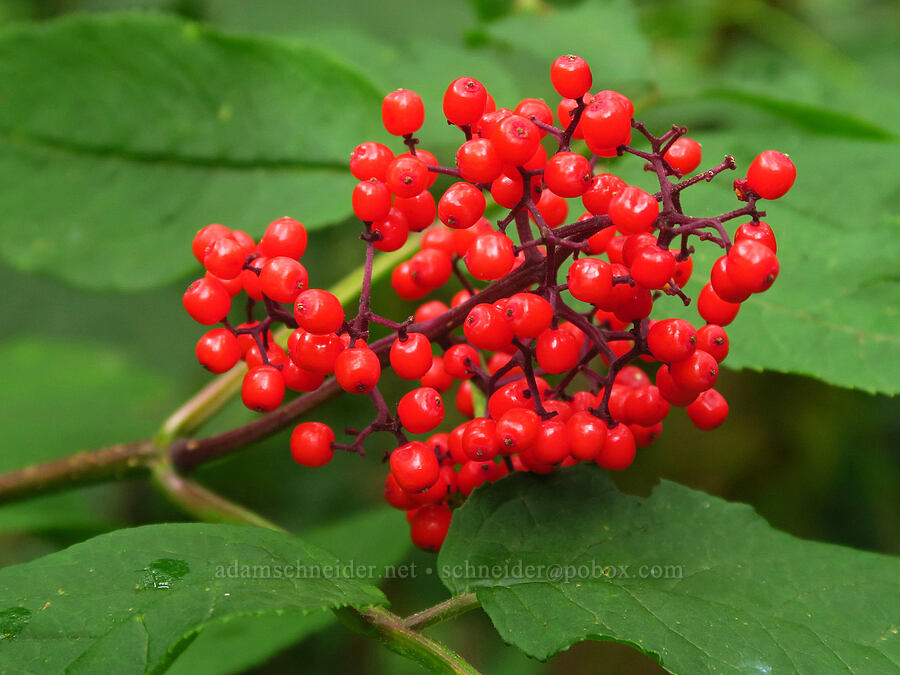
443 611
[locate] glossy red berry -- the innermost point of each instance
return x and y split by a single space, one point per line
571 76
553 208
714 309
402 112
478 161
421 410
318 311
371 200
672 391
487 328
456 360
206 237
517 430
587 434
225 257
697 372
461 205
480 442
311 444
568 174
652 266
602 189
534 108
282 278
406 176
429 526
405 282
437 377
633 210
557 350
284 237
414 466
300 379
420 211
516 139
490 256
671 340
370 160
263 388
606 122
551 445
646 406
528 314
464 101
771 174
723 284
411 358
752 265
316 353
714 341
392 230
618 450
357 369
590 280
709 410
684 155
207 301
218 350
760 231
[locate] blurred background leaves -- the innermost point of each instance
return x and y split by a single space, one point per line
98 208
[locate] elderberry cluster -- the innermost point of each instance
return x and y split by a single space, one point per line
555 378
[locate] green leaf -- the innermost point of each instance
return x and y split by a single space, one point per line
375 538
158 127
488 10
617 52
693 581
132 600
62 397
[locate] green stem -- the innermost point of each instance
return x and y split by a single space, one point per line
201 503
443 611
390 630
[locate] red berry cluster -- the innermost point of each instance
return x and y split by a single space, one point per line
549 360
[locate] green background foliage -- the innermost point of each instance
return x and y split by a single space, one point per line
122 134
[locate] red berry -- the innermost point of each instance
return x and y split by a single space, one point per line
760 231
528 314
414 466
421 410
370 160
723 284
411 358
464 101
487 328
357 369
420 211
557 350
479 441
218 350
571 76
568 174
250 278
646 406
709 410
517 429
455 360
207 301
311 444
535 108
714 309
552 208
405 282
406 176
437 377
590 280
461 205
263 388
393 230
283 237
771 174
619 449
397 496
672 391
603 188
225 258
713 340
282 278
697 372
316 353
671 340
430 310
318 311
300 379
565 111
402 112
507 189
478 161
206 237
633 210
516 139
752 265
371 200
684 155
551 445
652 266
490 256
429 526
587 434
606 122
